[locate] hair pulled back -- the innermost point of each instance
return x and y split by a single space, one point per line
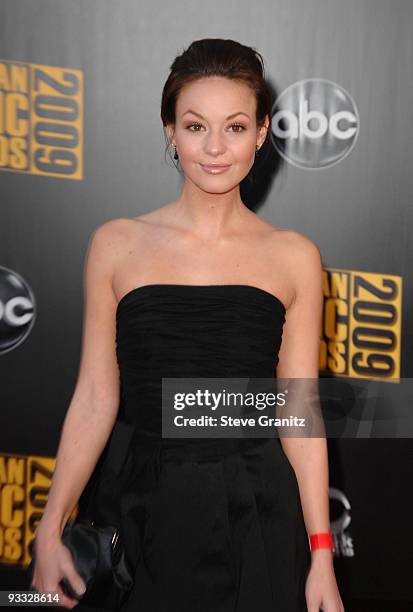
217 57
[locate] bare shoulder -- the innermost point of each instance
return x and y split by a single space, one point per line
113 237
300 246
114 230
124 229
107 243
290 241
300 260
291 247
158 216
306 268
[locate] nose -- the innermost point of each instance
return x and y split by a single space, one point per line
214 144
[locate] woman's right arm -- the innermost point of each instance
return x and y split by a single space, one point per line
90 417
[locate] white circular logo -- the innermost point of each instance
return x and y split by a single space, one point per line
315 123
17 309
343 521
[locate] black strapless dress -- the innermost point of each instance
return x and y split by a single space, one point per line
220 526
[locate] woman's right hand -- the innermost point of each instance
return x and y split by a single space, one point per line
52 562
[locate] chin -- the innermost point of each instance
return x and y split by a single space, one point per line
218 190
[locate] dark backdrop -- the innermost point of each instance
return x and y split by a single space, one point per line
94 70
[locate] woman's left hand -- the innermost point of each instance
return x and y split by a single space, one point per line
321 590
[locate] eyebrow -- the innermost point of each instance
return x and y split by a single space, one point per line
201 117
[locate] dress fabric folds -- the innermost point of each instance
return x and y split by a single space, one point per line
217 524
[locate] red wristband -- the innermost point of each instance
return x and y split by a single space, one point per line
322 540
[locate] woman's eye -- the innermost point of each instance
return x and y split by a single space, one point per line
238 125
193 125
233 125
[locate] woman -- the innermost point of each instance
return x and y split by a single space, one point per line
202 287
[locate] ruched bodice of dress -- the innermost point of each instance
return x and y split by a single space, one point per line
192 331
218 525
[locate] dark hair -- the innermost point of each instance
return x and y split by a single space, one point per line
217 57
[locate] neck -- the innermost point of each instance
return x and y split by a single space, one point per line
210 215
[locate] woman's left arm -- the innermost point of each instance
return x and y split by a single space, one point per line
299 357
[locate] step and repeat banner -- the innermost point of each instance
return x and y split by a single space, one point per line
81 142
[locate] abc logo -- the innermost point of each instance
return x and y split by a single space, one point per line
315 123
16 310
339 524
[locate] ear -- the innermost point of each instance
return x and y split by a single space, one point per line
170 130
262 131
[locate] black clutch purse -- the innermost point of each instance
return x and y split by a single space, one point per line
95 537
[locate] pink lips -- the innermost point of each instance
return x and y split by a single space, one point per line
214 169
